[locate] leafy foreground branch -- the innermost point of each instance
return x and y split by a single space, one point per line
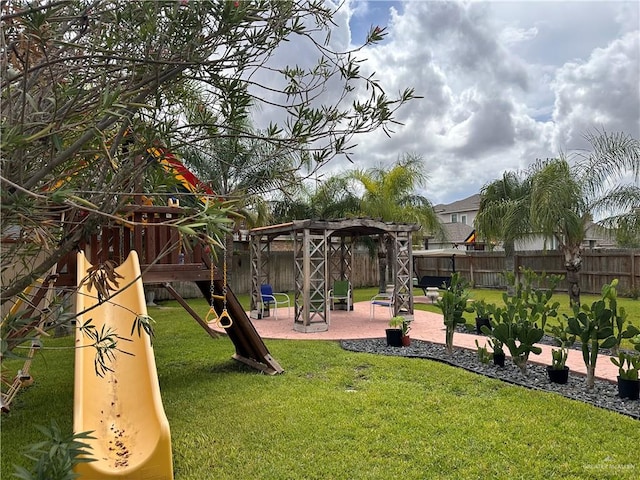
55 457
84 99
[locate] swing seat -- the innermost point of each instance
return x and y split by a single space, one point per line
269 297
223 320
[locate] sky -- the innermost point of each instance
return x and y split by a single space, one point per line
503 83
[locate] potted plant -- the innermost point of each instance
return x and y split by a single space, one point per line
406 326
394 332
483 315
628 364
558 371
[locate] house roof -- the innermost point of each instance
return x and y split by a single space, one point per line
469 204
457 232
603 237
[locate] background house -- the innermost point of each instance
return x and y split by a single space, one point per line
458 221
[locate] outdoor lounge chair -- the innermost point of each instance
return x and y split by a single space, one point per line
276 299
341 292
432 281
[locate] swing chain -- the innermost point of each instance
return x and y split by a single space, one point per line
223 320
224 279
212 290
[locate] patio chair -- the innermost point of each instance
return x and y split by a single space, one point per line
276 299
381 300
341 292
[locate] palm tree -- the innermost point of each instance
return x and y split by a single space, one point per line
566 197
331 199
504 214
240 165
389 194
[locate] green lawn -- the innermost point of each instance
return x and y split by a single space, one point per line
337 414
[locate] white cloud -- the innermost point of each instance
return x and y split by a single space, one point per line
513 35
504 83
601 92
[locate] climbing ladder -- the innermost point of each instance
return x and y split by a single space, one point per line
27 308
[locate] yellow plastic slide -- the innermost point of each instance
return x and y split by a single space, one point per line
123 408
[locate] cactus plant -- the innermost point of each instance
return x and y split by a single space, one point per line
519 336
632 362
558 358
519 325
594 326
564 340
621 326
483 353
453 304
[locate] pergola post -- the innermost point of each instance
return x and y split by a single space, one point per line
311 306
340 259
402 273
260 249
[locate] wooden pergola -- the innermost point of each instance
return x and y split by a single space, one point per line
323 253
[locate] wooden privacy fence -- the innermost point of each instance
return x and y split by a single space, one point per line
484 269
364 273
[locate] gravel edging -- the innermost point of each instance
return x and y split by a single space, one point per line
603 395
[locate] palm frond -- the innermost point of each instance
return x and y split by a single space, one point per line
613 156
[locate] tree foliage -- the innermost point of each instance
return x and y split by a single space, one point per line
504 214
330 199
390 193
601 185
559 198
88 86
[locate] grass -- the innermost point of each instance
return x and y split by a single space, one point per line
338 414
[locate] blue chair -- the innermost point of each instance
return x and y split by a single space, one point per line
276 299
381 300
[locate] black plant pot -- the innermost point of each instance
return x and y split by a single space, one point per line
498 359
628 388
394 337
558 375
480 322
